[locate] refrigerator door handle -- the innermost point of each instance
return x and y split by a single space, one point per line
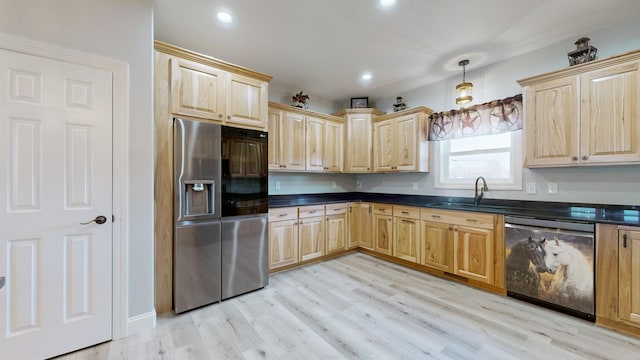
198 187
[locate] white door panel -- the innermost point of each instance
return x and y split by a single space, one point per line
55 173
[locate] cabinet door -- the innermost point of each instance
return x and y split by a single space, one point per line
406 235
552 123
437 245
361 226
246 102
610 114
473 249
383 233
333 146
315 144
293 140
406 133
383 146
629 277
276 148
197 90
311 237
336 226
359 139
283 243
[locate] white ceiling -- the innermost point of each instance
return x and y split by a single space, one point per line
324 46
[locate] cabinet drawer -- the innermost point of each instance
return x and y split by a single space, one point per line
383 209
406 212
308 211
484 221
279 214
336 209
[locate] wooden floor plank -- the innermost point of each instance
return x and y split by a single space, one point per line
361 307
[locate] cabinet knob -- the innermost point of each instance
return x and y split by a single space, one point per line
574 158
228 117
219 116
584 157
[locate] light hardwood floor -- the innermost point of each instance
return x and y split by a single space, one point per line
360 307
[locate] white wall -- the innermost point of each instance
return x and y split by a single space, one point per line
607 185
121 30
282 94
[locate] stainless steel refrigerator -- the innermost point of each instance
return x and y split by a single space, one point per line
197 207
220 239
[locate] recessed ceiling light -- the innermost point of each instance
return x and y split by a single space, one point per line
225 17
366 76
387 2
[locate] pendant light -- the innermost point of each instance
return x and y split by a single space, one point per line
463 90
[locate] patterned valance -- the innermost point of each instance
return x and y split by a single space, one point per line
494 117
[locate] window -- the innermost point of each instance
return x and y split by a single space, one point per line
498 158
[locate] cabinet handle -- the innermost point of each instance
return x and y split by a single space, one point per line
624 241
369 209
350 209
312 211
338 209
574 158
408 221
435 216
282 215
405 212
472 220
584 157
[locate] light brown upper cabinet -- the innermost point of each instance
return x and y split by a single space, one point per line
400 141
358 139
286 140
587 114
207 88
324 144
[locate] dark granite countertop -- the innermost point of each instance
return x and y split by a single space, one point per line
593 213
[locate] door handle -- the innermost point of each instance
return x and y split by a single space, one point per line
2 279
99 220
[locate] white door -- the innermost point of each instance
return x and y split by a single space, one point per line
55 173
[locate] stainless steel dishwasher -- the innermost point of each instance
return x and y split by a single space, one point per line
551 263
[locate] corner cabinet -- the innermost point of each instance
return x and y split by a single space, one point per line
324 144
618 278
587 114
360 225
400 141
358 139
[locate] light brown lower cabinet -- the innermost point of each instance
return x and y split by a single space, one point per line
461 243
406 233
311 236
336 227
618 278
383 228
360 225
283 237
437 245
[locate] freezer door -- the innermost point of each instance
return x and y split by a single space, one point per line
196 270
244 254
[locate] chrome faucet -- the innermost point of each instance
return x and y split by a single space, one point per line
478 195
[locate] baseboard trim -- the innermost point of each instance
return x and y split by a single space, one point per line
141 322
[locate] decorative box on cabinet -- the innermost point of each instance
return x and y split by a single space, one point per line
400 141
587 114
358 139
618 278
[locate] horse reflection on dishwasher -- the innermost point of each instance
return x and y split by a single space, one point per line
572 271
524 264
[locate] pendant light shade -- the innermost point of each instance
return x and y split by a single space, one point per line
463 90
